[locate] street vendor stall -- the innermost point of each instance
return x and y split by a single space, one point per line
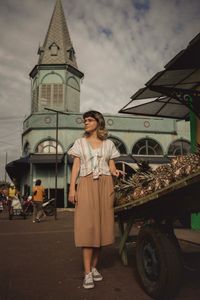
172 93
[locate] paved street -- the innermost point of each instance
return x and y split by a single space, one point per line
39 261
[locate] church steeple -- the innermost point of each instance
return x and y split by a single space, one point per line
55 81
57 47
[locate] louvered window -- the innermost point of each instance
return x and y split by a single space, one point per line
51 95
46 94
58 94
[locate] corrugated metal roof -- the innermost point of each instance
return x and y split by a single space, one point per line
169 93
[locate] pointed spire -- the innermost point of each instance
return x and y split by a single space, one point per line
57 47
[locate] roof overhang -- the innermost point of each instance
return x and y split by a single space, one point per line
173 92
16 168
46 158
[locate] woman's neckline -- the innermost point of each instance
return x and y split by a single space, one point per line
91 145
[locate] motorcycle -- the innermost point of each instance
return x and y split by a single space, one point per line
28 206
1 206
3 202
49 207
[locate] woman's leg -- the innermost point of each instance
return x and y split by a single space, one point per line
87 259
95 257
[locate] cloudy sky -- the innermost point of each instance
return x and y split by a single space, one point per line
119 45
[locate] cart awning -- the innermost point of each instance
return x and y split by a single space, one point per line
173 92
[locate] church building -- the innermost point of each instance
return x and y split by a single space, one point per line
56 87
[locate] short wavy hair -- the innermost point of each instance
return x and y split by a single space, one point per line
102 132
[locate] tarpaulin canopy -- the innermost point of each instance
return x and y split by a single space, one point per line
173 92
16 168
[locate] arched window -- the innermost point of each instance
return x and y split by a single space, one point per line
51 91
179 147
147 147
118 144
48 147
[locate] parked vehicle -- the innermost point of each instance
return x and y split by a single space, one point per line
49 207
3 201
15 208
28 206
1 206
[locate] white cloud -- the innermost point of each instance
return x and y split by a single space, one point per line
119 46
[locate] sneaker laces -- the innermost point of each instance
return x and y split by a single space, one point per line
88 277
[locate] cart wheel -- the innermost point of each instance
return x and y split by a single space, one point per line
159 263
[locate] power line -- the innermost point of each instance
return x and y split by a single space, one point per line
12 118
4 142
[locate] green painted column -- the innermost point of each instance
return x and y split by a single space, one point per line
195 217
31 178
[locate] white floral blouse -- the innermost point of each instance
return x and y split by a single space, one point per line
94 160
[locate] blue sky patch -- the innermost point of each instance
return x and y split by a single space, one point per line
141 5
105 31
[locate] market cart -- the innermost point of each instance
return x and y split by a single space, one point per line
158 255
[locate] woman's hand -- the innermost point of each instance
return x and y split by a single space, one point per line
117 172
72 197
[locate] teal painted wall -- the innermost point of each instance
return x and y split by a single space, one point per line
129 130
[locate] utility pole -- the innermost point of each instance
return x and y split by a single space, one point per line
5 176
57 112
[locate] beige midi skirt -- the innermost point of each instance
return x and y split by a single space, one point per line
94 213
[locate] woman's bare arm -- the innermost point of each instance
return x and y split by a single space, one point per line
113 168
74 175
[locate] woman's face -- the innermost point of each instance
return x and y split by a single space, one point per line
90 125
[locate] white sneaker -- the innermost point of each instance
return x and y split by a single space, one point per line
88 282
96 275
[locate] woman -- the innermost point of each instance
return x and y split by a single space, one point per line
94 216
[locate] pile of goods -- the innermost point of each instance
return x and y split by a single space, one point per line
146 181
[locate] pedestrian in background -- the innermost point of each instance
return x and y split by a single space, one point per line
37 197
11 195
94 214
